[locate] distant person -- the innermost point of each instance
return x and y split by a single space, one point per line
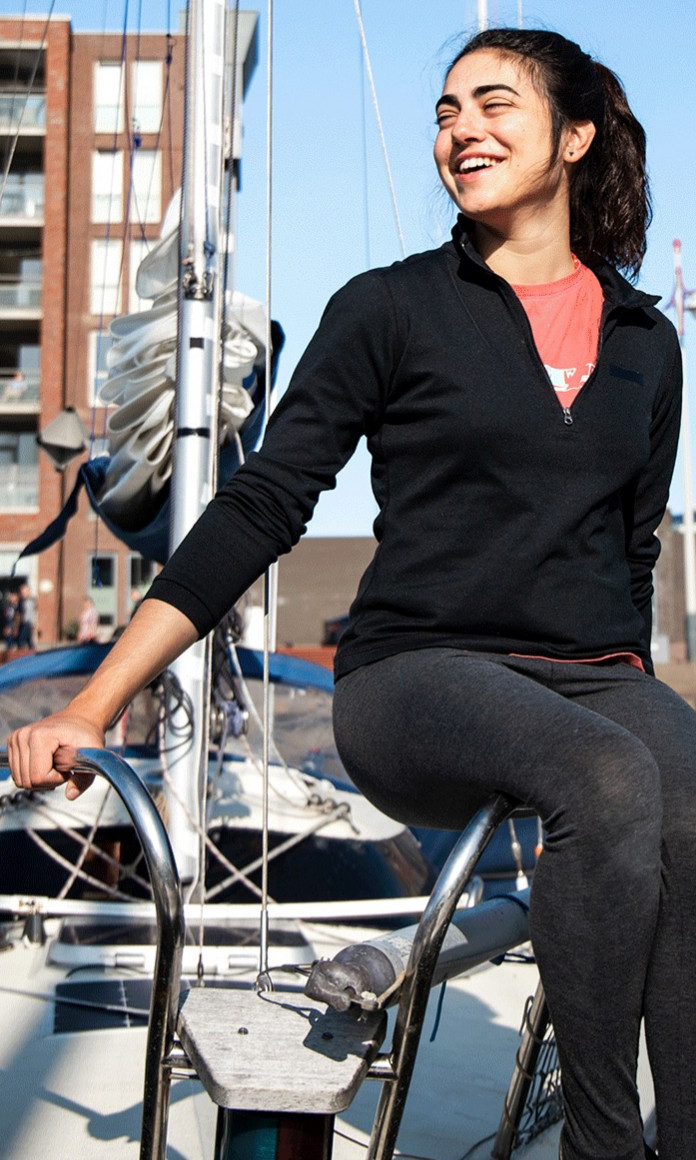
26 618
136 597
10 611
88 623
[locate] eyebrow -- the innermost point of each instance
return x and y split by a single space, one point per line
477 93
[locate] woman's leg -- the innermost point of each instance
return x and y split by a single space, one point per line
427 735
667 726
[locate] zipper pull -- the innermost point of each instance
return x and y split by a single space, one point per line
567 417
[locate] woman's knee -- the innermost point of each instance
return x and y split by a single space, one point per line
613 801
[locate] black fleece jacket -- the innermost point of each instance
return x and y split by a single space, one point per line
504 524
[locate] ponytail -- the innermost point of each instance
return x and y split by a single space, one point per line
609 195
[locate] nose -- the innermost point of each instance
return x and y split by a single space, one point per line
466 127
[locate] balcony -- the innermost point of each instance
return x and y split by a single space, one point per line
19 390
23 198
20 296
22 112
19 486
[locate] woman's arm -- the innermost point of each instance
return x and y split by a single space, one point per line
336 395
650 495
156 635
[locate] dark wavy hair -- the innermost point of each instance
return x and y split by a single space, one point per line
610 208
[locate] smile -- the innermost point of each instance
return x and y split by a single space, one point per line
471 164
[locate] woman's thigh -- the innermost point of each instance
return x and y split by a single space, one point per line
666 725
428 734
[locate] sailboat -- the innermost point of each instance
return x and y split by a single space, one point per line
77 957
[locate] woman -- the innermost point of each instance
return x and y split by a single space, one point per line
521 403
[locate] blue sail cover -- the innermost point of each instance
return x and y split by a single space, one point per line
84 659
151 540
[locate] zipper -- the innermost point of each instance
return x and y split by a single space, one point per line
607 308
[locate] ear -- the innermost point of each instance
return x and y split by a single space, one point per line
578 138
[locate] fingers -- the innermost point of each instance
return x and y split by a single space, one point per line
30 755
77 784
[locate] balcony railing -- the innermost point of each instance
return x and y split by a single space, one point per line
19 389
23 196
19 486
19 111
20 294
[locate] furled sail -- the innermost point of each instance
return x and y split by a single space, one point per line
129 487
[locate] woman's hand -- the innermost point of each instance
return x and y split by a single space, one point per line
41 755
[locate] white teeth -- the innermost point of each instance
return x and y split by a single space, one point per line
477 163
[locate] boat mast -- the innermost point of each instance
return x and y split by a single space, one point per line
195 435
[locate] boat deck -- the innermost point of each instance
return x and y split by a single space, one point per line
80 1092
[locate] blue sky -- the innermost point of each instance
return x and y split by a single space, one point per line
332 211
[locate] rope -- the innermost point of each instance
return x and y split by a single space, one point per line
162 723
33 801
69 882
380 128
339 812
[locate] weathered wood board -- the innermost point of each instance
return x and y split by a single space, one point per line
277 1051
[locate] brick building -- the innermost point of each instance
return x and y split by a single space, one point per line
92 125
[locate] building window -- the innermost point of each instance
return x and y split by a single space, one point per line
19 465
146 186
147 96
101 586
137 251
141 573
105 286
107 185
108 98
99 343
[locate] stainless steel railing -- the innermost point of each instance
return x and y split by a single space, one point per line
170 936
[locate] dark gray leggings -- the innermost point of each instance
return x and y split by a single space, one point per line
605 754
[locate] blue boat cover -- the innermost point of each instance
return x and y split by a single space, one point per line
75 660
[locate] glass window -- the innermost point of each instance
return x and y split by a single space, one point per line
105 285
108 98
147 96
101 585
97 370
146 186
19 466
107 185
141 572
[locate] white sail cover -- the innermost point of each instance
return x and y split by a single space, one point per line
142 377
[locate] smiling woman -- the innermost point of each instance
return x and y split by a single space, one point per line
520 400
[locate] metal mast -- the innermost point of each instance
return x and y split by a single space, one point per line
678 301
195 431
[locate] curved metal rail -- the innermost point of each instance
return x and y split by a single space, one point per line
170 935
397 1069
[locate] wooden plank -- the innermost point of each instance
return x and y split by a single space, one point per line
277 1051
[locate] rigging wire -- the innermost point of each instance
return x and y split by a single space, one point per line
378 115
264 981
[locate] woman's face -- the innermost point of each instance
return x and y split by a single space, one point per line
493 149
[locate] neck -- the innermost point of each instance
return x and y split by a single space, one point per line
531 254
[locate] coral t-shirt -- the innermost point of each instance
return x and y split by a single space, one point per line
565 317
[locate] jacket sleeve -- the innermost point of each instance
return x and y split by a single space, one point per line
336 395
651 492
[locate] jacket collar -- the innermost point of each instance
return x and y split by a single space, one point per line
618 291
